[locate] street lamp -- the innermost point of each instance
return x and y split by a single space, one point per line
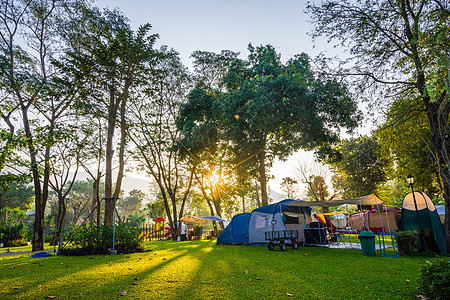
410 180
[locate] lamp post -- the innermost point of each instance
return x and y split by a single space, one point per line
410 180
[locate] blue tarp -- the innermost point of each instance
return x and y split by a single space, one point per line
40 254
236 232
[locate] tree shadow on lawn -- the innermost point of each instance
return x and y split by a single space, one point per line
24 277
308 273
202 270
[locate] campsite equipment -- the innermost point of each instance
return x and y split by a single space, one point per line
367 243
315 234
429 220
381 243
236 233
281 236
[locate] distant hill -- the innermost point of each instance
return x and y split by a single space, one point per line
129 182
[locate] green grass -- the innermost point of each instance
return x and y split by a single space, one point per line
203 270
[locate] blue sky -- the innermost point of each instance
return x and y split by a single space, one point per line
213 25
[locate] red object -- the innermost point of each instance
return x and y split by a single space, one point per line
159 219
168 231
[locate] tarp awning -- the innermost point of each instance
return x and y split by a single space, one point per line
371 199
201 220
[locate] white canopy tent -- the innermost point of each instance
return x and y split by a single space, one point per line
371 199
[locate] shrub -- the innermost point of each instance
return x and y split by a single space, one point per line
13 235
408 242
90 238
434 280
48 238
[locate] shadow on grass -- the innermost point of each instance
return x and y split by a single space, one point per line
203 270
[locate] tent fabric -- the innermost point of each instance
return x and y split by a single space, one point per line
422 201
386 219
236 233
201 220
371 199
428 216
261 220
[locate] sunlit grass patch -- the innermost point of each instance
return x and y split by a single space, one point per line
203 270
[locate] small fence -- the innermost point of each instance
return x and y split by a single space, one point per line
152 232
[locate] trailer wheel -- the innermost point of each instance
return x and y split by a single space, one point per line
283 246
271 246
294 244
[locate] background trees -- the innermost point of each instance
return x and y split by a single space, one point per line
403 44
360 169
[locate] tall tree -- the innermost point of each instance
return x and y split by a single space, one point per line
132 203
113 59
271 109
404 139
153 132
404 44
315 176
289 186
361 167
201 126
28 48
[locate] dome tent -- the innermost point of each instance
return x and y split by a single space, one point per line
429 220
236 233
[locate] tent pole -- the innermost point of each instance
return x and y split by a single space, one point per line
421 235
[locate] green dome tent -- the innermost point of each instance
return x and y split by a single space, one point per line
429 220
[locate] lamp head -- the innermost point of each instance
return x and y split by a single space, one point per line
410 179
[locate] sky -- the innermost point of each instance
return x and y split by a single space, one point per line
213 25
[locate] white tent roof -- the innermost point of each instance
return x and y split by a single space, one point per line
422 201
371 199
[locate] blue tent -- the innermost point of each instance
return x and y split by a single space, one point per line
236 232
261 220
249 228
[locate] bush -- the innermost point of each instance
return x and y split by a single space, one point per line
13 235
434 280
90 239
48 238
408 242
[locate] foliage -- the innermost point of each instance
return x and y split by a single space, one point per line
360 167
12 230
408 242
17 195
289 186
404 141
392 192
98 239
131 205
434 280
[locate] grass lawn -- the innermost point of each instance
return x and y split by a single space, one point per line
203 270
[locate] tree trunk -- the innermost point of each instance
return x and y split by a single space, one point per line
258 202
109 203
95 199
438 121
123 140
262 178
60 220
38 234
